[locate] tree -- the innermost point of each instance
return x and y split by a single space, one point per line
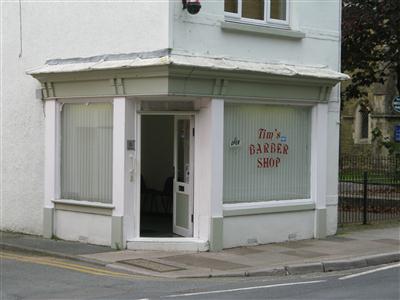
370 43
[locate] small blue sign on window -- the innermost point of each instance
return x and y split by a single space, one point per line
397 133
396 103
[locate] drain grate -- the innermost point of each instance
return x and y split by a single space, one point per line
150 265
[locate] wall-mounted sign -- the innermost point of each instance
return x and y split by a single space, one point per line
396 104
397 133
270 148
130 145
235 143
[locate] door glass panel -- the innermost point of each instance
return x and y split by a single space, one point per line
183 150
182 209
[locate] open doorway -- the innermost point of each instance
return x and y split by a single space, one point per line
157 171
166 208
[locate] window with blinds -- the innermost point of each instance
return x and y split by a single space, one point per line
86 152
266 153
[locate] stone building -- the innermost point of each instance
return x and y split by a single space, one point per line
360 119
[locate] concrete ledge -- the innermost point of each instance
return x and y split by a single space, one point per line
230 274
268 272
381 259
268 207
304 268
340 265
263 30
168 244
84 207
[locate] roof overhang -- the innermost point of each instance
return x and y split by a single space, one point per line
164 72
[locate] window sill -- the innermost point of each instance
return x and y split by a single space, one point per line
267 207
365 141
88 207
262 30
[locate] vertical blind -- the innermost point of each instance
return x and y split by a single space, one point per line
266 153
86 152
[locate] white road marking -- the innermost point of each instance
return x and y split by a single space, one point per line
369 272
245 288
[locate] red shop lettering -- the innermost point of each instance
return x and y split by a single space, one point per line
268 148
268 162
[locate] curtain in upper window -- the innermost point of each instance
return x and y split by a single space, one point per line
231 6
253 9
278 9
86 152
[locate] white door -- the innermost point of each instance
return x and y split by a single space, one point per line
183 177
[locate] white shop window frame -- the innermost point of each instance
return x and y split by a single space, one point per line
53 110
318 167
267 22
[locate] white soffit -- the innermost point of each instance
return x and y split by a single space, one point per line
165 58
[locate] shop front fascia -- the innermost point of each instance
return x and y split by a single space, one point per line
213 87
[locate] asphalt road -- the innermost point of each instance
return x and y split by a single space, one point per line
26 276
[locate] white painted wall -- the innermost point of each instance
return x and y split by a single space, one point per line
56 30
268 228
202 172
86 228
202 34
333 161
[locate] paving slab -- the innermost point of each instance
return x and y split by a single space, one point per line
151 265
204 262
114 256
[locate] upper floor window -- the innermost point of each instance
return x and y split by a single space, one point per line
259 11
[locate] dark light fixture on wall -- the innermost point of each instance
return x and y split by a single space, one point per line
192 6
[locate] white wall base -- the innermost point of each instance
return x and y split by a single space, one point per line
331 219
86 228
168 244
268 228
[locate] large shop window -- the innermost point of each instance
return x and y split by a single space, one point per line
266 153
86 152
269 11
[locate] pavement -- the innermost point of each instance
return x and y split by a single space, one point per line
351 250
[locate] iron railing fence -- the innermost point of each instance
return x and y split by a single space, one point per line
369 189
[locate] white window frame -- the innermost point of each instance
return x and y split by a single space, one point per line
57 197
267 21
